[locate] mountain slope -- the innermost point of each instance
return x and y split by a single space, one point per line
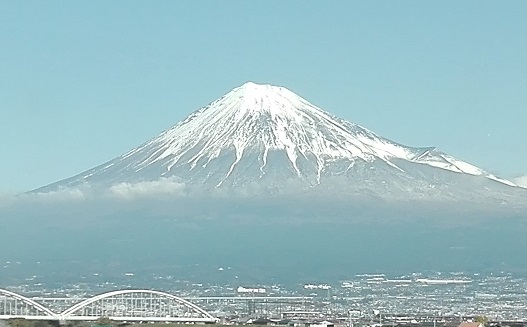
269 138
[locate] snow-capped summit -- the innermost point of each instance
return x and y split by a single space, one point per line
268 136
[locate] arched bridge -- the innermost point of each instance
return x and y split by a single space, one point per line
122 305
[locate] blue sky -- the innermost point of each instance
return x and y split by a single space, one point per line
82 82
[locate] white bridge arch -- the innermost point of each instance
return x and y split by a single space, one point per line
122 305
138 305
16 305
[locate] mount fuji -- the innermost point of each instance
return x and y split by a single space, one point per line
264 139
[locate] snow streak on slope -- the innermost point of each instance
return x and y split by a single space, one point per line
521 181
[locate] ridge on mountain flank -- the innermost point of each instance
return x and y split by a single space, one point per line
267 136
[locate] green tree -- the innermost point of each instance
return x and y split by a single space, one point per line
482 319
19 322
104 321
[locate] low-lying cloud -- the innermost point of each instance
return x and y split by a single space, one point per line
162 187
171 199
61 195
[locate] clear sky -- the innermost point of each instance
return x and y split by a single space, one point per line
82 82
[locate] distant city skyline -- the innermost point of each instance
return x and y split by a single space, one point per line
84 82
450 295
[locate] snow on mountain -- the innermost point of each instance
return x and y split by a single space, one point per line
269 136
521 181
